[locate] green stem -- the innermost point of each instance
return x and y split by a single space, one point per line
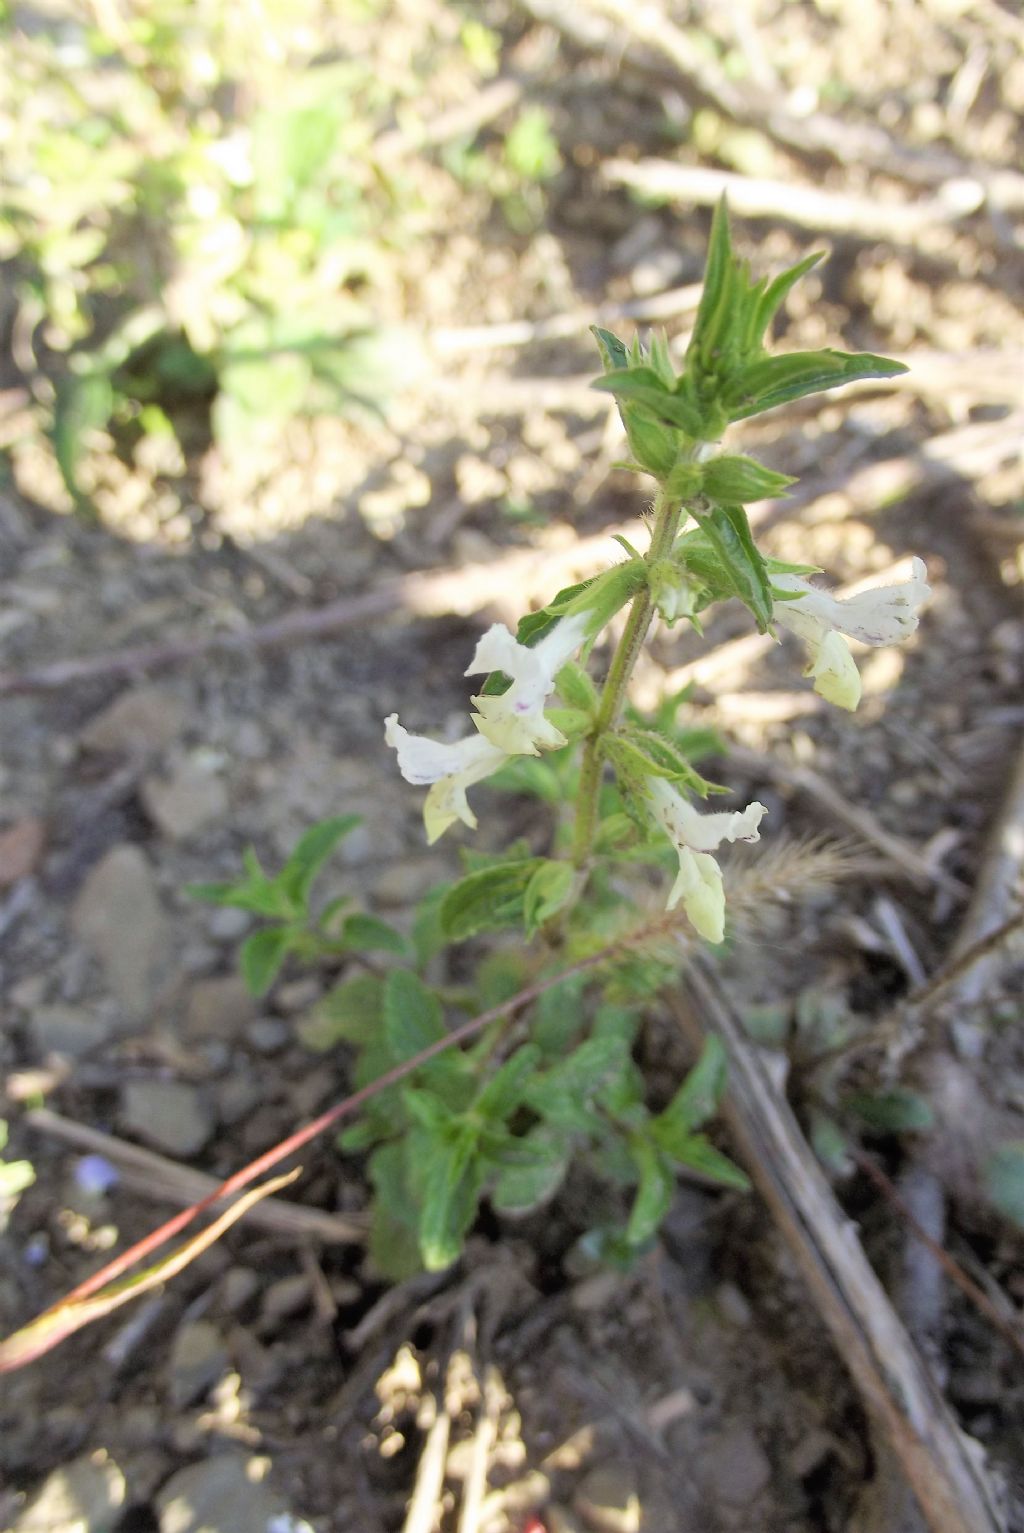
613 694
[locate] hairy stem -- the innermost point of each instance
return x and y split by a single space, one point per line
613 694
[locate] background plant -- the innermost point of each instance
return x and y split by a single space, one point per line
197 217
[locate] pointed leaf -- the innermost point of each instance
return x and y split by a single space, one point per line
740 480
654 1195
728 531
550 888
350 1013
309 856
488 900
1003 1174
698 1097
535 1174
262 955
505 1090
780 380
413 1018
367 933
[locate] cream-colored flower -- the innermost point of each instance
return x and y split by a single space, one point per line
695 836
884 615
449 769
514 720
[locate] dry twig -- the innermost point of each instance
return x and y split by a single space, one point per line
951 1487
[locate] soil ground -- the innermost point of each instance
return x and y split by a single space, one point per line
277 1383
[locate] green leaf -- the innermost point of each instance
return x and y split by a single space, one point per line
774 295
393 1247
576 687
262 955
739 480
728 531
429 1111
428 937
367 933
716 310
525 774
350 1013
454 1178
297 876
1003 1175
83 404
614 355
896 1111
638 753
698 1097
413 1018
655 1193
487 900
558 1016
830 1144
642 386
700 1155
562 1094
549 891
779 380
506 1088
536 1173
257 893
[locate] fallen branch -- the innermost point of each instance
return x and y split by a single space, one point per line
952 1489
155 1175
811 207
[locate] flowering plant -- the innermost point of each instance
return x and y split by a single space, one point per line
551 1077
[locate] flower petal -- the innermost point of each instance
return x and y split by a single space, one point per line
699 881
422 760
836 677
700 887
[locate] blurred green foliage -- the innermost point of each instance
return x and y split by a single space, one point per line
196 211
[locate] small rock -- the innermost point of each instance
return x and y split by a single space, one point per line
219 1007
267 1035
238 1097
224 1494
21 847
29 992
170 1115
283 1299
595 1292
607 1500
737 1466
733 1306
85 1496
69 1030
117 913
144 721
811 1452
297 995
198 1358
182 805
227 923
237 1287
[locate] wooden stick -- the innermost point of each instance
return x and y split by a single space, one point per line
951 1488
810 206
146 1171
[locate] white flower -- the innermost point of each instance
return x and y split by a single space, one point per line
884 615
695 835
450 769
514 720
